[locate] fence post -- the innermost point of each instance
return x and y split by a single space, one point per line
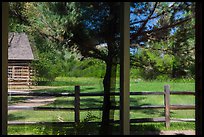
77 105
167 105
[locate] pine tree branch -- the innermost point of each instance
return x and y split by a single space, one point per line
163 13
145 22
162 28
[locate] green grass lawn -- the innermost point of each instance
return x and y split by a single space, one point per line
92 129
95 85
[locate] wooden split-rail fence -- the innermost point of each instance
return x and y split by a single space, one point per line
167 106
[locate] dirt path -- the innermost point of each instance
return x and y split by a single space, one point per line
170 132
179 132
33 102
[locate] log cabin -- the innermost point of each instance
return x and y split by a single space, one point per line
20 57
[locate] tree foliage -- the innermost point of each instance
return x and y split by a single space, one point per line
162 37
153 60
84 26
47 24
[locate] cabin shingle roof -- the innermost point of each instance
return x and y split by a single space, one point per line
19 47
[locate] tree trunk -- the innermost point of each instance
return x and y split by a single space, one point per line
109 83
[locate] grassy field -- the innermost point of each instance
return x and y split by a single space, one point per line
95 85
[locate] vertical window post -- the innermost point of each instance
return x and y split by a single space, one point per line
77 105
4 54
124 68
198 66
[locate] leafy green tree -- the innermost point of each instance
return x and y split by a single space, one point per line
17 20
183 50
154 61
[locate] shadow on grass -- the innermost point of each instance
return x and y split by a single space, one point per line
86 129
144 129
13 117
67 129
62 102
64 83
54 83
97 102
55 90
14 99
138 102
91 102
86 89
84 102
63 90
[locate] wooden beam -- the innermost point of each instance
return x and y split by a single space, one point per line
124 69
4 53
77 105
198 66
167 105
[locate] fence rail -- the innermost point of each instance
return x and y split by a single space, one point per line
167 106
99 94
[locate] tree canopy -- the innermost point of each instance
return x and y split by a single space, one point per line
160 32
